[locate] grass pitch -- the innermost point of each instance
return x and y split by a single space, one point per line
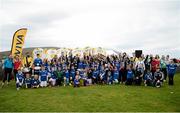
106 98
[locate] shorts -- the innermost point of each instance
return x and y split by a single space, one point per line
53 81
43 83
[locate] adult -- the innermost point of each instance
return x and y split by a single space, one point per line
17 65
163 66
8 66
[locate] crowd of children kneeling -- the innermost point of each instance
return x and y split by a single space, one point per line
97 69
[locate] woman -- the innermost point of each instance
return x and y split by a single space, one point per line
163 67
8 66
17 65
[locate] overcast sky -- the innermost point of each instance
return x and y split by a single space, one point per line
124 25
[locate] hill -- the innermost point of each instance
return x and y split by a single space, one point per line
25 50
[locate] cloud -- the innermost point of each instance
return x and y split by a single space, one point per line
150 25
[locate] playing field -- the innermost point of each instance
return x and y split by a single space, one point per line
93 98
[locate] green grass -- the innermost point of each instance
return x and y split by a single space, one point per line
112 98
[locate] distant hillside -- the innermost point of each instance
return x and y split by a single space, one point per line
25 50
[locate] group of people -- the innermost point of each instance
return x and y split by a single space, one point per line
68 70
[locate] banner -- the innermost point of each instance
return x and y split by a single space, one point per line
51 53
18 42
39 51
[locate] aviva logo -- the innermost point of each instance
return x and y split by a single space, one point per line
18 42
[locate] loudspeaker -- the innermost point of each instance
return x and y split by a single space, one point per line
138 53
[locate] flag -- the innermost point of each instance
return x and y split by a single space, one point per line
18 42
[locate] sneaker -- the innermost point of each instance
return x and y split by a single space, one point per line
2 84
7 83
17 89
145 85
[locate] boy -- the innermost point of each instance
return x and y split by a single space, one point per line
72 74
43 75
37 64
19 79
66 76
148 78
95 74
28 81
171 68
52 80
130 76
76 81
158 78
115 75
35 81
102 75
59 74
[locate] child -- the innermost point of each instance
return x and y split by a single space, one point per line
102 75
19 79
148 78
140 67
76 81
43 77
130 76
52 80
72 74
37 64
158 78
109 77
35 81
171 72
115 76
28 81
95 76
59 74
66 76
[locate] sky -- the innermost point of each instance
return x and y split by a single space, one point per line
123 25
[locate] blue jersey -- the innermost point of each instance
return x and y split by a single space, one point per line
95 73
43 75
130 74
80 65
76 81
172 68
35 82
117 64
116 74
38 62
67 74
148 76
73 73
64 65
20 77
28 81
53 75
81 73
102 74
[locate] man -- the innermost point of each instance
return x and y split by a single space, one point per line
8 66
